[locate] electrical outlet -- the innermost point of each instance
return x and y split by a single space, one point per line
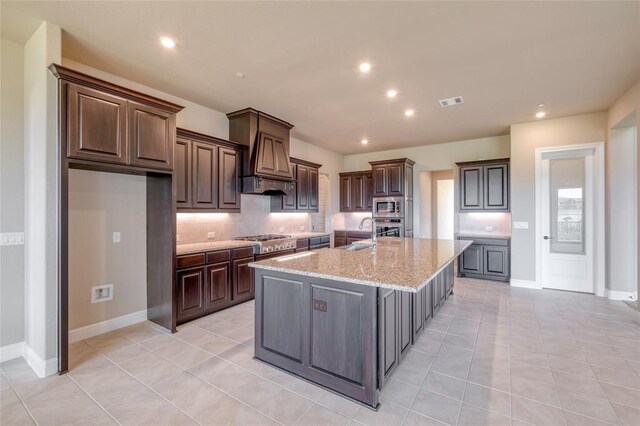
302 227
520 225
211 235
102 293
12 238
177 237
281 229
116 237
488 228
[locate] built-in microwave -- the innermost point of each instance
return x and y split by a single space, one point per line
388 207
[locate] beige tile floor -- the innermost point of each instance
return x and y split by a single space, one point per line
493 355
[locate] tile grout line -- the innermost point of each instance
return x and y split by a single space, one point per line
22 402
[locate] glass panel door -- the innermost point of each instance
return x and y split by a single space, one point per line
566 205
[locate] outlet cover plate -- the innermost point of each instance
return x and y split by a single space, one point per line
520 225
102 293
12 238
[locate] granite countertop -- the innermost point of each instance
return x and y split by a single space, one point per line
482 235
308 234
406 264
213 245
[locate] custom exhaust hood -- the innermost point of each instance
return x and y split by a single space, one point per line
266 168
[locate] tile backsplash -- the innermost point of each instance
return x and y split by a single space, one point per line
477 223
256 218
351 221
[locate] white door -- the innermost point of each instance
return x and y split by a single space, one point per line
568 220
444 188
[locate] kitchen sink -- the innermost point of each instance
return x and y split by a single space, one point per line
356 246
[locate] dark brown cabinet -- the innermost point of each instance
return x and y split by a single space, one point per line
484 185
306 195
487 258
392 178
97 125
343 238
206 173
209 282
313 243
356 192
272 157
109 128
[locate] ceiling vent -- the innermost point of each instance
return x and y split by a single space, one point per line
445 103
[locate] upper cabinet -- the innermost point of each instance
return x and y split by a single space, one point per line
206 173
356 192
106 123
392 178
484 185
305 195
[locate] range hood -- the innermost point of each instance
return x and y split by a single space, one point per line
266 168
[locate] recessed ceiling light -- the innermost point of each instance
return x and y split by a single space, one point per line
540 114
540 105
365 67
392 93
409 113
364 141
167 42
240 75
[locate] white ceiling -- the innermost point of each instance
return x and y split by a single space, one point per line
301 59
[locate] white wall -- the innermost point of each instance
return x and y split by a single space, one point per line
100 204
525 138
444 196
433 157
11 191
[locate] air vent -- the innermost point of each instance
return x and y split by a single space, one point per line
445 103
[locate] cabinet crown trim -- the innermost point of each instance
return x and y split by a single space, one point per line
305 162
260 114
72 76
201 137
483 162
395 160
360 172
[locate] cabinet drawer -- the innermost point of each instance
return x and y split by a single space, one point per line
315 241
219 256
487 241
340 234
242 252
359 235
325 239
190 260
302 243
319 246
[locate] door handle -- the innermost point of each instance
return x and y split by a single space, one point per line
547 237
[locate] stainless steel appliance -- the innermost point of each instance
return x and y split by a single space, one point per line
389 227
272 245
388 207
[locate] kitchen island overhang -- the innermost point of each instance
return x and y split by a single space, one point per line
344 320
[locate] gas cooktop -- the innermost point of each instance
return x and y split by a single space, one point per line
265 237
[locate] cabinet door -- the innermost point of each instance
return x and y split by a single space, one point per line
442 287
302 188
314 200
97 126
408 181
151 136
183 172
190 284
496 261
406 320
471 188
408 218
346 198
368 192
218 286
435 297
471 260
417 300
496 187
205 176
388 356
428 302
340 241
228 180
379 176
290 202
358 201
243 285
395 179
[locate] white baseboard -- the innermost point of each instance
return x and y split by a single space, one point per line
524 284
9 352
91 330
621 295
42 368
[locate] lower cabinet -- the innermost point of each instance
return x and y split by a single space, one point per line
344 238
211 282
486 258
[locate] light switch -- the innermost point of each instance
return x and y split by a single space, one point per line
12 238
520 225
281 229
488 228
116 237
302 227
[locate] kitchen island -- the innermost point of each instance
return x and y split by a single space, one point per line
345 318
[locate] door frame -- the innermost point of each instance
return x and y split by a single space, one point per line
598 251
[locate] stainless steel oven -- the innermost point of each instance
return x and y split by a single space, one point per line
388 207
389 228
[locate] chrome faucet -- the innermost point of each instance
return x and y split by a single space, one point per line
373 228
